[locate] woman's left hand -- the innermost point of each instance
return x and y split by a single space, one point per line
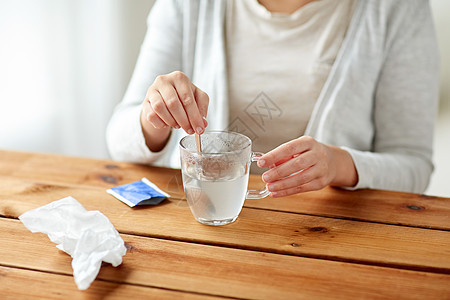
304 164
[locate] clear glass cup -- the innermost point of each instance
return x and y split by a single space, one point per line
215 181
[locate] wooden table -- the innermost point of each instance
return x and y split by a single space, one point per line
330 244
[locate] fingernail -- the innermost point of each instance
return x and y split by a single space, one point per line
266 177
274 194
270 187
199 130
261 162
190 131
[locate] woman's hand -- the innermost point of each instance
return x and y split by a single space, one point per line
304 164
172 101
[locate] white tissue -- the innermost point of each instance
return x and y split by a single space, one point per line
88 236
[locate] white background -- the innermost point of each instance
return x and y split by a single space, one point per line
65 64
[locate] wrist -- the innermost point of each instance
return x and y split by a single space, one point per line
155 138
344 171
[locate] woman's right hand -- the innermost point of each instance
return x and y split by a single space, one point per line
172 101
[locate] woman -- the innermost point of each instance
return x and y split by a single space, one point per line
340 93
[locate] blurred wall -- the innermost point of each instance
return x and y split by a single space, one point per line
441 13
65 64
440 180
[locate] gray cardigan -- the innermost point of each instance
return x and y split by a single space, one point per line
379 101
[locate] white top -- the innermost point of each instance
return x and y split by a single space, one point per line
277 65
379 101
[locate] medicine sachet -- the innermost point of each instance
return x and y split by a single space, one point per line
142 192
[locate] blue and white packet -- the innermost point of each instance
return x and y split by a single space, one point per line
142 192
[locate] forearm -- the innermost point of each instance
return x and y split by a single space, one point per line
125 138
397 171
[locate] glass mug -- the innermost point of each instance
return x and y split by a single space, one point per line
215 181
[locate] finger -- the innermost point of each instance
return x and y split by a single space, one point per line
175 107
151 117
186 95
295 164
307 187
286 150
202 101
282 161
159 107
294 180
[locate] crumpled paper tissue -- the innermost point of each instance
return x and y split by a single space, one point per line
87 236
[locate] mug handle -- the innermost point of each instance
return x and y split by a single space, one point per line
257 194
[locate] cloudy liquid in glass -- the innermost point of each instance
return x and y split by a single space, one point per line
215 201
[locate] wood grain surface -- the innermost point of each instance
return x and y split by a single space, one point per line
30 284
287 233
367 205
213 270
329 244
